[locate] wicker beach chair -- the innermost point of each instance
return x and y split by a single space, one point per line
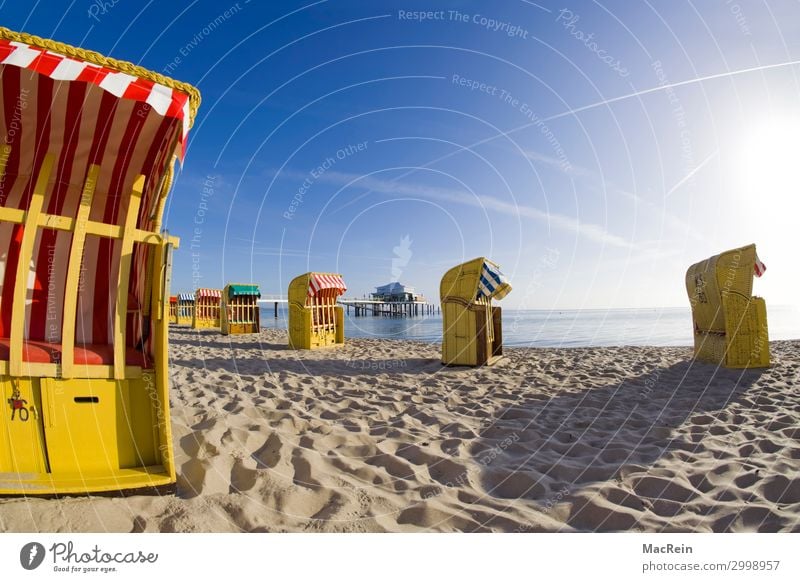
730 325
185 308
85 170
173 309
207 304
472 326
240 311
315 320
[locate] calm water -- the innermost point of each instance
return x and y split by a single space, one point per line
569 328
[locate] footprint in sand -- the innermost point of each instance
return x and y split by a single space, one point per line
243 479
302 471
781 489
269 454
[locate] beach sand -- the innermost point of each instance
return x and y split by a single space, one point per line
379 436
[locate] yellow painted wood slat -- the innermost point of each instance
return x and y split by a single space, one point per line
116 232
24 264
74 273
150 238
34 370
160 296
55 222
120 320
14 215
92 227
103 229
161 376
162 201
148 282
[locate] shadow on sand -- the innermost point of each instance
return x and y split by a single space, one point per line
547 448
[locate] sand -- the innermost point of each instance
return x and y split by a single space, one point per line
379 436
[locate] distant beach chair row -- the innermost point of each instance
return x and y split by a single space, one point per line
233 310
472 324
730 325
85 170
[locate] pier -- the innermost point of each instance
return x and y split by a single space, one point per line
364 307
377 308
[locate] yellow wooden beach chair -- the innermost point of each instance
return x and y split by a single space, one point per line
206 308
315 320
86 162
185 310
173 309
472 326
240 311
730 325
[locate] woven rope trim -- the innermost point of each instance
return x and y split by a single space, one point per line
96 58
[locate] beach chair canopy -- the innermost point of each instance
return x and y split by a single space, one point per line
186 297
173 299
88 127
96 84
319 281
208 294
477 279
236 290
492 284
731 271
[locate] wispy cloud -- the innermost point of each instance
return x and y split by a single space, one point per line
666 86
691 174
557 163
593 232
599 182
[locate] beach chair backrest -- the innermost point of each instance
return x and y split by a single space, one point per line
706 282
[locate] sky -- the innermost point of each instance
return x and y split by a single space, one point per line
593 150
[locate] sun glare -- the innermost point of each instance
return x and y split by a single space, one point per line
768 180
770 162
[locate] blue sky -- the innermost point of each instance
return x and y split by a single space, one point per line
594 150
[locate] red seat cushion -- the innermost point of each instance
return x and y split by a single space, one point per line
85 354
38 352
100 354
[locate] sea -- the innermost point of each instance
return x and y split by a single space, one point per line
670 326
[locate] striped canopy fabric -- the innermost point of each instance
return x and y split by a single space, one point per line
243 291
320 281
54 102
492 283
165 101
186 297
208 294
